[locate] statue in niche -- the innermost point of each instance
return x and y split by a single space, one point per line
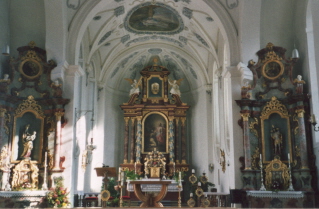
299 84
135 86
276 137
245 91
27 139
175 86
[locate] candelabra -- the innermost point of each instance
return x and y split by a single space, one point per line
262 187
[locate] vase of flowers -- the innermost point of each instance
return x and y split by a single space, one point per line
57 197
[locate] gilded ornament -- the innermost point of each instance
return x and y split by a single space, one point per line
245 116
7 120
252 125
300 113
199 192
255 159
191 202
29 105
105 195
192 179
222 160
296 129
276 166
155 101
205 202
2 112
274 105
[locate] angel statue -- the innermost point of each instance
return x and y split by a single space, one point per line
175 86
135 86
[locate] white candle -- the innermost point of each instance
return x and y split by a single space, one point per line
135 167
314 119
199 184
180 176
119 176
122 178
260 158
193 170
45 159
191 194
205 195
288 158
174 167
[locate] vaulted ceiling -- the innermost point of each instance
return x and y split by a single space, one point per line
123 37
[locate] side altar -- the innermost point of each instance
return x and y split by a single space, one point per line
278 147
31 120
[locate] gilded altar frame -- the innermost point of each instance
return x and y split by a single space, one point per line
28 112
155 87
274 112
151 125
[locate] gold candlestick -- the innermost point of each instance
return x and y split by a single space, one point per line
179 202
121 196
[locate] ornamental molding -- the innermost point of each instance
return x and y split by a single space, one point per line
29 105
274 105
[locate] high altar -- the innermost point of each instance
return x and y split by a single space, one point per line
31 119
155 121
276 134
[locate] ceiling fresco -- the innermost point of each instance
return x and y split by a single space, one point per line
150 18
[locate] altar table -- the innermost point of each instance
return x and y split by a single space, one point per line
21 199
150 199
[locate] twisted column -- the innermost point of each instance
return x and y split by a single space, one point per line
139 139
177 157
171 139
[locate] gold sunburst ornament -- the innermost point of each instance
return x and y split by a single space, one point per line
105 195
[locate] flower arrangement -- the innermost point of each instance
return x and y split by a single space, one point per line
58 197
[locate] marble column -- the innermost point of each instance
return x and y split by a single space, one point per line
247 151
132 139
301 136
177 157
57 145
2 124
183 140
126 135
138 140
171 139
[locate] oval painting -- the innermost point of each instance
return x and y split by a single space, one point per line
153 18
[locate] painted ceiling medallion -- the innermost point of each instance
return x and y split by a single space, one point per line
153 18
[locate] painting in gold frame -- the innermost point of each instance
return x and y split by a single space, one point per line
155 133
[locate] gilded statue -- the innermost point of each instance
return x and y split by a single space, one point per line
276 137
27 140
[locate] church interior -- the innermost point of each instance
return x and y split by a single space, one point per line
159 103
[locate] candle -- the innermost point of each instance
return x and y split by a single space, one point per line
180 176
122 177
174 167
45 159
193 170
205 194
314 119
135 167
199 184
260 158
119 176
288 158
191 194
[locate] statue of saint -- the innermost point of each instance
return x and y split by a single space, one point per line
27 139
276 137
135 86
175 86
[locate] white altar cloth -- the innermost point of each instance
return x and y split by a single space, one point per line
8 194
279 194
154 187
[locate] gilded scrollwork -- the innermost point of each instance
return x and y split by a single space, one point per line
252 127
31 105
277 171
255 159
222 160
274 105
296 128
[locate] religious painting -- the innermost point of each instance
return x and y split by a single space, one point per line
155 87
153 18
155 129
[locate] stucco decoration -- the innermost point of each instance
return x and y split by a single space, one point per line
153 18
201 40
187 64
188 12
119 11
105 37
125 38
154 37
122 64
155 51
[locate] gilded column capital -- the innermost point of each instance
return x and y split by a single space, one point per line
245 116
126 120
171 118
133 119
300 113
2 112
58 115
183 119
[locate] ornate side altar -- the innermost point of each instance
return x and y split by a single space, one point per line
31 119
276 132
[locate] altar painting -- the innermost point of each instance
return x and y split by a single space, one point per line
155 131
155 87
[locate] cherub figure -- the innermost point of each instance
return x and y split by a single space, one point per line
175 86
135 86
